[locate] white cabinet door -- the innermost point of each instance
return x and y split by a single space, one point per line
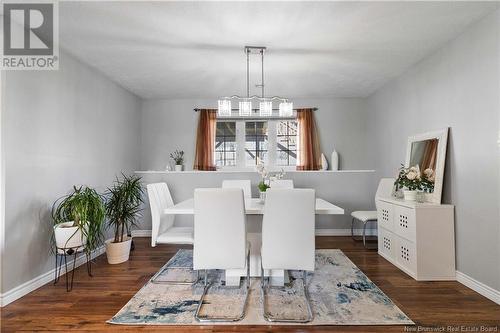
385 215
404 222
386 243
406 254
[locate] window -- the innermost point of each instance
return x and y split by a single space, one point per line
255 142
242 143
286 141
225 144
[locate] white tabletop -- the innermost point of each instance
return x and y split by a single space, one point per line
253 207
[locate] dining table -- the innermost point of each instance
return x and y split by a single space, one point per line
254 206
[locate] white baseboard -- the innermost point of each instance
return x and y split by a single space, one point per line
479 287
141 233
27 287
344 232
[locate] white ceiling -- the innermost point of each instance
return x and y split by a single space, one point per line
315 49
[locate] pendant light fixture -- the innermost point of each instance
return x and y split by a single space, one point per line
286 109
245 106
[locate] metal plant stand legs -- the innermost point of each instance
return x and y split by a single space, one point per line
62 254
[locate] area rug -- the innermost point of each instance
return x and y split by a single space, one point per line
340 295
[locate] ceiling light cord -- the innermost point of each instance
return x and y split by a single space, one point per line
248 72
262 71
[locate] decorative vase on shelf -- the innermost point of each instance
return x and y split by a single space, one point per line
262 197
410 195
178 167
324 162
335 160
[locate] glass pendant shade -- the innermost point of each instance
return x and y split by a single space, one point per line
266 108
286 109
224 109
245 108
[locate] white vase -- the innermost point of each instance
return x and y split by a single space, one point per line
178 167
334 162
410 195
118 252
324 162
68 236
262 197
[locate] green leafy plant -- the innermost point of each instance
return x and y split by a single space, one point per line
85 208
412 179
263 186
123 206
178 157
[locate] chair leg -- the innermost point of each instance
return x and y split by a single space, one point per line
364 231
354 238
352 228
224 319
364 235
286 320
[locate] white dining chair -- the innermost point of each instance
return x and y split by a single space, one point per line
384 189
220 238
163 229
288 239
245 185
281 183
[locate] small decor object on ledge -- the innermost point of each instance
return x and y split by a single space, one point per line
267 178
334 161
324 162
411 181
178 157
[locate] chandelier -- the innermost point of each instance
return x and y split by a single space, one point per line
245 104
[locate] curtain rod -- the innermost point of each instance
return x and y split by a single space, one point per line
254 110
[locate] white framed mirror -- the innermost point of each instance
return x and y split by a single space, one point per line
428 151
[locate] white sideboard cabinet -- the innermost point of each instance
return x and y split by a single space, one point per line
418 238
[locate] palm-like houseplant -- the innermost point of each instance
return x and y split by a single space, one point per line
123 207
79 219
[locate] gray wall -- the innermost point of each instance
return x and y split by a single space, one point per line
167 125
457 87
60 128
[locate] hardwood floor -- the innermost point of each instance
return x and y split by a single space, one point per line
95 300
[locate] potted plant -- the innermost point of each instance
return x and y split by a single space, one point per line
78 219
178 157
411 180
123 207
266 178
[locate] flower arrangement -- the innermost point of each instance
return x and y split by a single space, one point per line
267 177
412 179
178 157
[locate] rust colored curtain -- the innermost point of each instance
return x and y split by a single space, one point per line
309 149
430 153
205 140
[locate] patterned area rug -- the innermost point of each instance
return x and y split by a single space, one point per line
340 295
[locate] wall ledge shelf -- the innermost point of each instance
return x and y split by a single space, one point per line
248 171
